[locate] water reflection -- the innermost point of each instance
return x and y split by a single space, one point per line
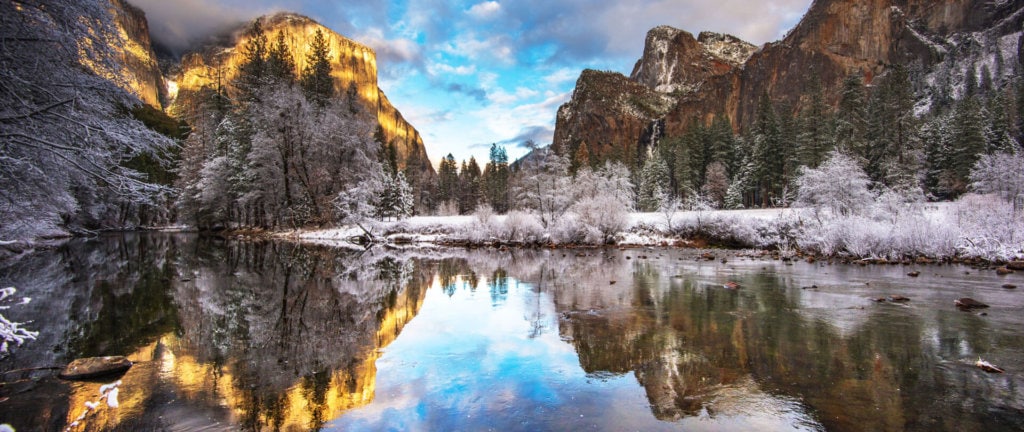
275 336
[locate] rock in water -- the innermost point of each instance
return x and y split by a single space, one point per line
95 367
1015 265
969 303
1003 271
1009 286
898 299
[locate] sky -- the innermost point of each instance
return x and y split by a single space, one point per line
471 73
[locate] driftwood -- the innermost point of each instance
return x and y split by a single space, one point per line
95 367
987 367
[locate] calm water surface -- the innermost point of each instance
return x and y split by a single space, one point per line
277 336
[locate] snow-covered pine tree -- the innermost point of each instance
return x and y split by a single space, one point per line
654 181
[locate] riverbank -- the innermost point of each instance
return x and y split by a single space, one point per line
972 231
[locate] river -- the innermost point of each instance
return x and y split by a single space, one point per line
268 335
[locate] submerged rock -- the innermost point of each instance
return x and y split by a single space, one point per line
1003 271
914 274
966 303
898 299
95 367
1009 286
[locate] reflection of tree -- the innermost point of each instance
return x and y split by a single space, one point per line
498 285
307 320
687 341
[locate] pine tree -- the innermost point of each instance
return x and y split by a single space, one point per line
580 158
280 64
968 141
815 139
252 72
496 179
448 180
316 77
851 118
768 161
469 186
723 144
654 183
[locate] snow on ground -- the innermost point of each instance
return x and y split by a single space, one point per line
974 229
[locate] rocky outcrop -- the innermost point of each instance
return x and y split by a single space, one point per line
608 113
140 73
720 75
354 67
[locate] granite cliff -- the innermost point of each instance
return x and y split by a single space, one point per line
689 78
175 90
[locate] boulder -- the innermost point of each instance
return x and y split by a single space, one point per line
966 303
95 367
1003 271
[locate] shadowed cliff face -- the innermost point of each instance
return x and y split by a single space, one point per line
354 67
718 74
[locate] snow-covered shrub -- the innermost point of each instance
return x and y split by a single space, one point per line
570 229
603 215
12 332
520 227
1001 174
989 227
838 185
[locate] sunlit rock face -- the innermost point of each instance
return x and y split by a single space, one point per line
140 73
716 74
354 66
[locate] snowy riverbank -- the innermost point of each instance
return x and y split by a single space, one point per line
975 228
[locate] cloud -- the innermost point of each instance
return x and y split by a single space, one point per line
447 69
539 134
179 24
474 92
394 55
485 10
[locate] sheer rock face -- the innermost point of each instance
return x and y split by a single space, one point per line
141 73
718 74
608 112
354 68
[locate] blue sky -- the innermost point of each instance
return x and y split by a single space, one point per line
470 73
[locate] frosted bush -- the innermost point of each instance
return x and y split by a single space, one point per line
12 332
520 227
989 227
571 229
603 215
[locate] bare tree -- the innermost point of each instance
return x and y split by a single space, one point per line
66 132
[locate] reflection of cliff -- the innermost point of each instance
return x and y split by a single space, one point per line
700 350
305 328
